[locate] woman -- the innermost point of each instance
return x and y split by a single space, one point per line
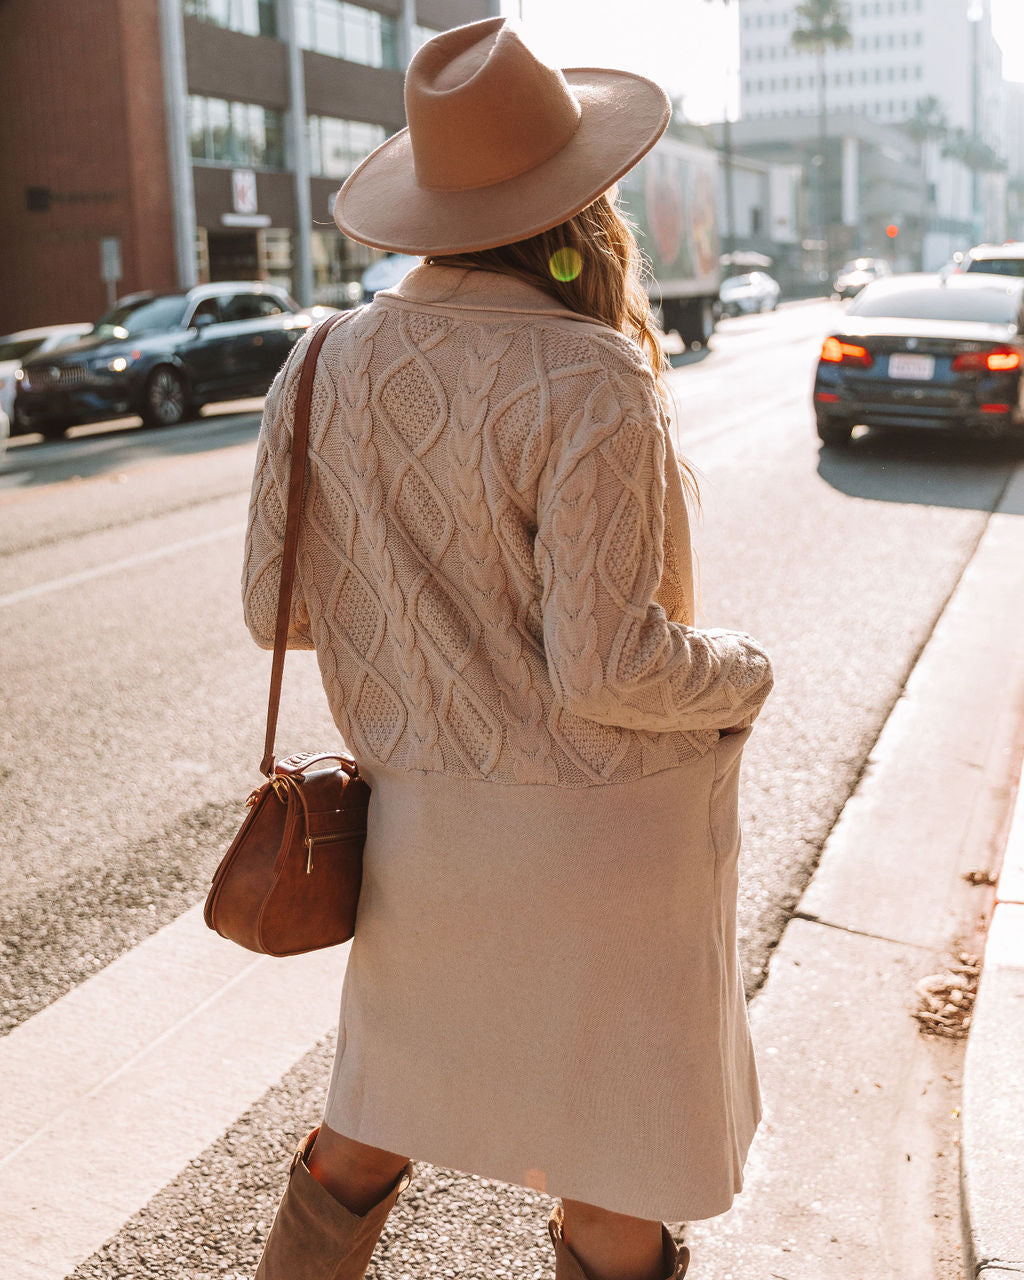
495 572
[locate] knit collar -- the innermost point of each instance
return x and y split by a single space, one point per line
465 289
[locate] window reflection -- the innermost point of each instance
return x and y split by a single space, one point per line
344 30
336 147
252 17
237 133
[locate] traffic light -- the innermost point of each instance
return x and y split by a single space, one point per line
892 230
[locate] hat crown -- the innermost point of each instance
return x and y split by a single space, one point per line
482 108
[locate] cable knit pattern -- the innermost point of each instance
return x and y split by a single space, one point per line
495 565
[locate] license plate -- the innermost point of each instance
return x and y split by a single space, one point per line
918 368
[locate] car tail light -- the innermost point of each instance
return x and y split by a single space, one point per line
1002 361
826 397
835 352
995 408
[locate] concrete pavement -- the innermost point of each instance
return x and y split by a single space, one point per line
853 1173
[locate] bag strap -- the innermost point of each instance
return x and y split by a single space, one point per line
296 482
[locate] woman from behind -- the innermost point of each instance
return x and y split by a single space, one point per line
495 572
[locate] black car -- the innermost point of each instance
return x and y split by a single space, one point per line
163 356
926 351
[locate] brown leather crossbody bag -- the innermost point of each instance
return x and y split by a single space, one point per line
290 880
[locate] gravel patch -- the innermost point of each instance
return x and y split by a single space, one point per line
213 1219
65 932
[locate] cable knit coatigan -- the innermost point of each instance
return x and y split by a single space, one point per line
495 572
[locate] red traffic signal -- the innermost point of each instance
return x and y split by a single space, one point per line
892 230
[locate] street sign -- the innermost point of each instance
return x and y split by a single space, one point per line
243 190
110 259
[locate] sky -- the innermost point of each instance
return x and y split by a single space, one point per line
689 46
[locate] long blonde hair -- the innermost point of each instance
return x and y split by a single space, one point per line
593 265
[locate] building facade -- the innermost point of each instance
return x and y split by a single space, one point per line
872 183
903 52
151 144
1015 159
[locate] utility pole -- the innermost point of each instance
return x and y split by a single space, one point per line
183 199
975 17
728 165
406 22
300 156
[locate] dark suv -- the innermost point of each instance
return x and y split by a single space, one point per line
163 356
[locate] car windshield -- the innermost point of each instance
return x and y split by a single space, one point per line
997 266
18 348
148 316
986 306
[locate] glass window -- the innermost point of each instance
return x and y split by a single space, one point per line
997 266
349 31
251 306
252 17
145 316
338 146
218 130
235 133
995 305
207 307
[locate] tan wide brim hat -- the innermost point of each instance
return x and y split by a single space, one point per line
499 146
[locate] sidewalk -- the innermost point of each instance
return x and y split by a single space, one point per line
852 1175
992 1167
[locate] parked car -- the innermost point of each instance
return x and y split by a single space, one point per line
925 351
163 356
17 347
386 272
743 295
994 259
860 272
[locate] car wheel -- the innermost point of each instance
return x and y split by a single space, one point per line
51 430
836 435
165 398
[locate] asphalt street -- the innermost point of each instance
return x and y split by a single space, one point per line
134 700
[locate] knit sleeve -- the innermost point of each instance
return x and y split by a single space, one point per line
612 653
264 539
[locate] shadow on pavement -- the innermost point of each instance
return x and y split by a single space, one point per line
931 470
31 461
691 356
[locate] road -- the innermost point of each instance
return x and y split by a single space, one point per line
134 701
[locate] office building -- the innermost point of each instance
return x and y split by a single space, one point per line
151 144
902 53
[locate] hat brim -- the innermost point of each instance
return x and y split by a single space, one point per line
381 203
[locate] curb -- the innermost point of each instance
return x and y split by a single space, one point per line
992 1145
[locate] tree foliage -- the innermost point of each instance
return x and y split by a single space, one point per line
821 25
972 152
928 120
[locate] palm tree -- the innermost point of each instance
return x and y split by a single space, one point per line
927 123
973 153
822 25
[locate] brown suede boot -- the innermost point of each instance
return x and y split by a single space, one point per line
567 1265
314 1237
